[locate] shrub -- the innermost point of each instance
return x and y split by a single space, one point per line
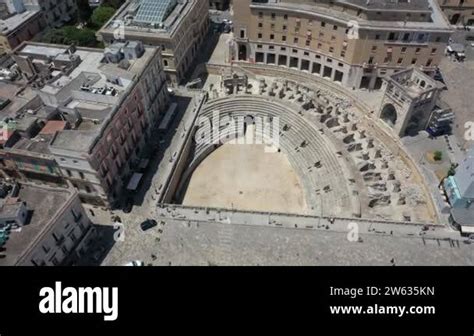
438 156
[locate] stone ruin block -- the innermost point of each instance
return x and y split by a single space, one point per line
378 153
379 200
370 143
354 147
396 186
379 186
366 166
401 200
364 156
372 176
349 139
333 122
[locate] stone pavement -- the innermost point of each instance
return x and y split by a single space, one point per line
205 236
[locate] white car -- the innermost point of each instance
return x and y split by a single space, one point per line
135 263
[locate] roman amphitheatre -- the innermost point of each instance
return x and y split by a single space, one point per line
334 156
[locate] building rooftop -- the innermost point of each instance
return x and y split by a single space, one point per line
390 4
154 11
12 23
414 82
19 96
94 85
54 126
464 175
159 18
437 20
39 144
9 209
38 200
463 216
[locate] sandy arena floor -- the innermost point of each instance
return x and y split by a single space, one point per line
245 177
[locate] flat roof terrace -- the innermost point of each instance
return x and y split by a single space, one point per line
438 21
12 23
41 201
161 28
109 85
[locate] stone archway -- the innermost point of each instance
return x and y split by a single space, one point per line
242 52
248 121
389 114
454 18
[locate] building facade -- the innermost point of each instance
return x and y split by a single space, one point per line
57 232
219 4
458 12
104 106
355 42
177 27
460 187
409 101
21 20
55 13
18 28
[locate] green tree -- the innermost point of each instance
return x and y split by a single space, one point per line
438 156
69 35
101 15
113 3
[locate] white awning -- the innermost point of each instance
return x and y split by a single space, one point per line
467 229
134 182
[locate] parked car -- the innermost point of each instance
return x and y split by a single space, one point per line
438 76
128 206
148 224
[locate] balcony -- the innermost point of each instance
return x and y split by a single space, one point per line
369 66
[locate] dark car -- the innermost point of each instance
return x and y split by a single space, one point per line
128 206
148 224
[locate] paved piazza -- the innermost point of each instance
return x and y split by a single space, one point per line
210 243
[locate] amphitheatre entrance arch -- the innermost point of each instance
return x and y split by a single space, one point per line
242 52
389 114
455 18
248 121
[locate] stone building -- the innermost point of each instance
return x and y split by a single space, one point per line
458 12
21 20
355 42
409 101
177 27
56 230
219 4
109 101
